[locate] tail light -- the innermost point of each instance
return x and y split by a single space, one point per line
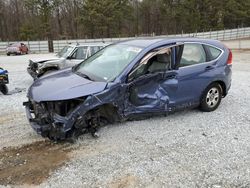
230 58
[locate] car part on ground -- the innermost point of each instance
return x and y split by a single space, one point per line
129 80
3 81
68 57
17 49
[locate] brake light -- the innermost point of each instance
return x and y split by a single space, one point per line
230 58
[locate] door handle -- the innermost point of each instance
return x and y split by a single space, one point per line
209 67
170 76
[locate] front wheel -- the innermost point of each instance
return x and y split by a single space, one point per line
211 98
4 89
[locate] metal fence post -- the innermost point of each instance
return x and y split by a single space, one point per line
237 34
39 47
28 44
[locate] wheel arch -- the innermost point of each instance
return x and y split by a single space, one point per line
108 110
223 87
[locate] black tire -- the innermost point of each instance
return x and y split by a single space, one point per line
8 54
4 89
211 97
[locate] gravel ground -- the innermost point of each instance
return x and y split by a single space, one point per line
185 149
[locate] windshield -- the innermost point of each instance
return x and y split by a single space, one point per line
108 63
65 51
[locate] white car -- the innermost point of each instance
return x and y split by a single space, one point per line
69 56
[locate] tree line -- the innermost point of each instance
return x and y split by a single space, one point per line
72 19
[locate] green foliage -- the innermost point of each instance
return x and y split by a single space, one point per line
47 19
104 18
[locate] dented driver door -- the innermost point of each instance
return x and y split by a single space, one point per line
152 86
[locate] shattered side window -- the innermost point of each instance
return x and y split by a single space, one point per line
160 62
192 54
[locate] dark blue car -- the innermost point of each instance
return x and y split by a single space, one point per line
129 80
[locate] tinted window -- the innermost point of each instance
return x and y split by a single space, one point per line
65 51
94 49
80 53
214 52
192 54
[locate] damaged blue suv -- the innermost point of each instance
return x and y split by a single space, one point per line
129 80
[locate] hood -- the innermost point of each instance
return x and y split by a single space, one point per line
63 85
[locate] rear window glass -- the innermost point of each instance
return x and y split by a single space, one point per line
214 52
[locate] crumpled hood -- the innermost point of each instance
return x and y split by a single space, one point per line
45 59
63 85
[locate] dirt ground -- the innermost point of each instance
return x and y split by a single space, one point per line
32 163
186 149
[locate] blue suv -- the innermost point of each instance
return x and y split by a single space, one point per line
129 80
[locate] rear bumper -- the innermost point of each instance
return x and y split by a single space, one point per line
13 52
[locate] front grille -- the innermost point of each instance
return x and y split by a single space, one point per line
33 66
40 112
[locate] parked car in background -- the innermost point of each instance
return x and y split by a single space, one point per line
69 56
17 49
129 80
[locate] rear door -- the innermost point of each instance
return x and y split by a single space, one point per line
195 72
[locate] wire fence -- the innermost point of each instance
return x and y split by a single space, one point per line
223 35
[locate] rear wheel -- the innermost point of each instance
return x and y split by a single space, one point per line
211 98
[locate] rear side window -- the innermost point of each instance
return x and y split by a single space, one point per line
192 54
214 52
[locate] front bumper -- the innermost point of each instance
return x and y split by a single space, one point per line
32 73
52 131
40 129
32 69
